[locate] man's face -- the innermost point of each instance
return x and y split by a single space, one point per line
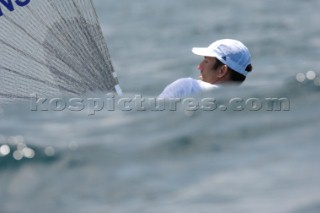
207 73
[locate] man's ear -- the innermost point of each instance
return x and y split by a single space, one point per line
223 71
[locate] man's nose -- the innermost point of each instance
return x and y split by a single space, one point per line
200 67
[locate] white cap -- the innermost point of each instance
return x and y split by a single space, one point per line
231 52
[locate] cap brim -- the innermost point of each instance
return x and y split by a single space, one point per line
203 52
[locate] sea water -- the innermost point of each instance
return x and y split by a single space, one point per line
183 159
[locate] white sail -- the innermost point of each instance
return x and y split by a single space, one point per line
51 47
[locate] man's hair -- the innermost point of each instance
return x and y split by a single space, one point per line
234 76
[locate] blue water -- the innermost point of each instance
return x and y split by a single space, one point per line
179 161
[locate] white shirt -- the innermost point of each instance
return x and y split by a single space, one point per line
186 87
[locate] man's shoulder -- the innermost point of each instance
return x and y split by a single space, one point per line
185 83
186 80
206 86
195 82
184 87
196 85
179 88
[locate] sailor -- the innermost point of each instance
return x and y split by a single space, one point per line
226 61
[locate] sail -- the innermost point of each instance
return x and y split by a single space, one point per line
52 47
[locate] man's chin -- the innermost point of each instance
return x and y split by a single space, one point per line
200 77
